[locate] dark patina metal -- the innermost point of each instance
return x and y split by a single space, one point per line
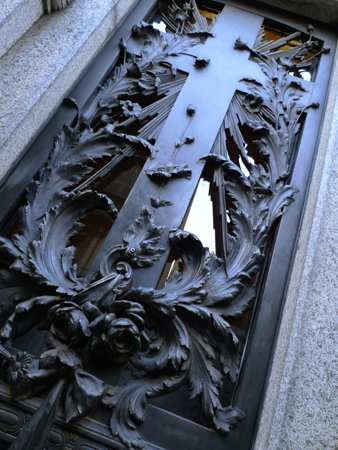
117 316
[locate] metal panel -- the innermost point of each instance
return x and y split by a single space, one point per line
230 106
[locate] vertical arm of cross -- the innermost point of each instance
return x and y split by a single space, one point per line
210 91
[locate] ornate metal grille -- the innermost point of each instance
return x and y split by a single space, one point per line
210 96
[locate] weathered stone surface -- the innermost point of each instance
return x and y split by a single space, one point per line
323 10
301 408
16 17
39 70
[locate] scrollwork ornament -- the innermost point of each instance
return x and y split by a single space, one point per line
179 333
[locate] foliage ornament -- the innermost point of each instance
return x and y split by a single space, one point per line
179 334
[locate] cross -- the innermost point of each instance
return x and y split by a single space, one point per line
210 91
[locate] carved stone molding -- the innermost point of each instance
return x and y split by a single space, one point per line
50 6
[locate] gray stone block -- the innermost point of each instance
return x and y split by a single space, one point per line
16 17
325 11
40 69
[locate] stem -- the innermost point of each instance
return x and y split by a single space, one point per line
35 433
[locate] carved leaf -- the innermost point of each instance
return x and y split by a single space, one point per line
128 403
109 95
189 285
246 291
221 289
165 171
282 198
203 378
49 257
14 289
141 239
169 349
83 395
229 355
26 315
218 330
227 418
60 356
187 20
158 202
66 167
146 73
40 198
8 248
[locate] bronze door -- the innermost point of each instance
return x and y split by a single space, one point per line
134 308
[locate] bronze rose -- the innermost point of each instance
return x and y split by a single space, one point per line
119 333
69 324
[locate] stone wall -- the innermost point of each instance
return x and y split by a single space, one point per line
44 63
